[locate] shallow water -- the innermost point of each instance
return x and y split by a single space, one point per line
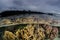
57 39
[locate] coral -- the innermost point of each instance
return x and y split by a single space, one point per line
9 36
32 32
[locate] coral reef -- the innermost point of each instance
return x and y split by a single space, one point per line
32 32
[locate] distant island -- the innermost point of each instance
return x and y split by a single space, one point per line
10 13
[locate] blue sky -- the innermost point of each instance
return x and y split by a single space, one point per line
52 6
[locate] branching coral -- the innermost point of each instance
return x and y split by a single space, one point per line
9 36
32 32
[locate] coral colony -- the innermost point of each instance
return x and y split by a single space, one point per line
28 27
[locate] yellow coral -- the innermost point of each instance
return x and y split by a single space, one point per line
9 36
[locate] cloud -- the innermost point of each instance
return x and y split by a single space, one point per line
52 6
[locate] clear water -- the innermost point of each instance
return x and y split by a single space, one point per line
57 39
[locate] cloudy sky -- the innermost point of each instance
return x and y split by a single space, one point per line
52 6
